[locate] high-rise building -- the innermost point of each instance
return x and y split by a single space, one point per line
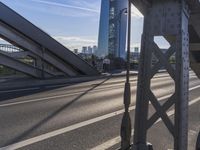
76 51
95 49
112 28
90 50
84 49
135 55
136 49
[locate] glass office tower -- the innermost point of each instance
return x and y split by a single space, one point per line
112 28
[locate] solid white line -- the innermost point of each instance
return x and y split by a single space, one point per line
39 99
61 131
79 125
117 139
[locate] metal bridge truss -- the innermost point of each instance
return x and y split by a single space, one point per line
26 62
40 46
170 19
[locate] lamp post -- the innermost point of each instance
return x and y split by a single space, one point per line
123 11
126 121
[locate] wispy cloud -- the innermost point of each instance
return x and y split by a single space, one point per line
66 5
73 42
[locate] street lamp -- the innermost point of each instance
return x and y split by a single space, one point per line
126 121
123 11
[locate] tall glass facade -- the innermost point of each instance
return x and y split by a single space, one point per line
112 29
103 29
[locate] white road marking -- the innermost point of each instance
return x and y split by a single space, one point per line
117 139
61 131
45 98
82 124
39 99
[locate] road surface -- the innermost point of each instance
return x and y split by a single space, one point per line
84 116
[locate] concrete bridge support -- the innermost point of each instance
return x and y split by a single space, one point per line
170 20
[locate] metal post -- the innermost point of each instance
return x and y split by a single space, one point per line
170 20
126 121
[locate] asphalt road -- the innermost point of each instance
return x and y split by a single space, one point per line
84 116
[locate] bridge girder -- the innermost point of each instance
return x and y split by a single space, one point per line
28 36
161 19
27 69
25 43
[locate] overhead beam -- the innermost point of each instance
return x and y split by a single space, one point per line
22 67
18 55
29 30
23 42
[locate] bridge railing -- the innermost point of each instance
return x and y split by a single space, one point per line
9 48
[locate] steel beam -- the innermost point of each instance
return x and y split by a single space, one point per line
22 67
18 39
19 55
29 30
167 19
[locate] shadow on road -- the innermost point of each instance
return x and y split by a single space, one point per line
51 115
33 90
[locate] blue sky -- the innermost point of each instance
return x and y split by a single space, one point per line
74 23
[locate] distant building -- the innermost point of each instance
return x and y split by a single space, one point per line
90 50
95 49
84 49
135 55
136 49
76 51
112 28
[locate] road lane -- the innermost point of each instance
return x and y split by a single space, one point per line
72 91
24 121
97 133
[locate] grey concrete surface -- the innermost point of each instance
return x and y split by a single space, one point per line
39 112
8 83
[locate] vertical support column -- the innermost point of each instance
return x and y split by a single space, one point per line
181 82
142 102
170 20
40 63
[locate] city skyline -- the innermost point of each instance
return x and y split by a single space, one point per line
73 23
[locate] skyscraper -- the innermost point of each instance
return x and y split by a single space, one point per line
112 28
